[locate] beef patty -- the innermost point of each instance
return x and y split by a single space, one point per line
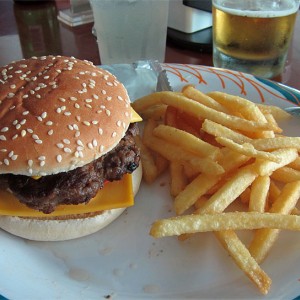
79 185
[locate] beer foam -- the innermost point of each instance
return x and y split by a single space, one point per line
285 10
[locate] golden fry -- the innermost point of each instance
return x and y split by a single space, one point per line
178 179
259 194
186 141
244 260
150 171
190 92
175 153
223 221
265 238
286 174
219 130
248 150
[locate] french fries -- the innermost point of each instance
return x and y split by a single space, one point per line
223 152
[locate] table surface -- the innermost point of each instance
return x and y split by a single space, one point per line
28 29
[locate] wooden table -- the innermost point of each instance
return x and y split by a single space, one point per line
28 29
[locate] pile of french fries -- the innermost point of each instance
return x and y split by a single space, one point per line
221 150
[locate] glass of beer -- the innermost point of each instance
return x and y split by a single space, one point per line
253 36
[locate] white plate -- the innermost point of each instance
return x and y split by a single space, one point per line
124 262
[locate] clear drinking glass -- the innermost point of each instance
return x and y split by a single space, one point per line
130 30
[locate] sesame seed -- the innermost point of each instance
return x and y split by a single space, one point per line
75 126
78 118
39 141
11 153
108 98
88 100
23 122
96 96
44 115
60 145
39 118
79 142
50 132
103 92
101 148
25 112
38 96
13 86
30 163
67 113
70 127
120 98
88 106
62 99
3 150
2 138
35 136
23 133
42 157
77 105
90 146
49 123
119 123
107 111
6 161
67 150
95 122
77 134
30 171
100 131
114 134
58 110
109 83
73 98
79 148
95 143
14 157
18 126
86 123
4 129
46 77
42 163
66 141
10 95
59 158
126 114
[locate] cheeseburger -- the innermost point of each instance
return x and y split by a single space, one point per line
68 162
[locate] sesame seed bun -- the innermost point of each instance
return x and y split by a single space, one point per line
65 227
57 114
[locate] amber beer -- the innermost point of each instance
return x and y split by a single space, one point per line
252 40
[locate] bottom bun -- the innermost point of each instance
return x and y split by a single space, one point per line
60 229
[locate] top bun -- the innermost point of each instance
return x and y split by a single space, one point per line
58 113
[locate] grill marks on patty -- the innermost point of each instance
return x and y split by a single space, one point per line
79 185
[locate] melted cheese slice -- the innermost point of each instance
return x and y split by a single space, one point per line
115 194
135 117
